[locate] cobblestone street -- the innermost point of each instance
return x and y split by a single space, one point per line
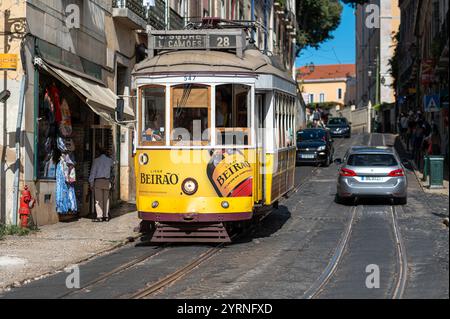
283 257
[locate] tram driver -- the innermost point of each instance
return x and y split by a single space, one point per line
154 123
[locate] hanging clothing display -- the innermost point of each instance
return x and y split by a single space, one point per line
66 201
65 126
54 95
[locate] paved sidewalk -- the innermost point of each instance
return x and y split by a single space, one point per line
56 246
401 149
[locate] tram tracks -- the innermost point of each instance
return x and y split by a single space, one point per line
400 276
166 281
115 271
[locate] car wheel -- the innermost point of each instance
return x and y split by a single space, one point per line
327 162
401 201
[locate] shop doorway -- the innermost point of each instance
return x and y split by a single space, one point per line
101 137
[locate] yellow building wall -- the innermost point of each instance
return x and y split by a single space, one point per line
330 89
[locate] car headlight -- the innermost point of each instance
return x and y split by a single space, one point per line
321 148
189 186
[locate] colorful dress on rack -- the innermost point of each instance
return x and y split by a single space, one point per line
66 201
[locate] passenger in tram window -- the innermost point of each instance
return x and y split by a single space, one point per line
223 108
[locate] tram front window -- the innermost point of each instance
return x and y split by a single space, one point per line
153 115
190 114
232 109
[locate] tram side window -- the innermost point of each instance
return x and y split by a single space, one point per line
232 109
153 115
190 114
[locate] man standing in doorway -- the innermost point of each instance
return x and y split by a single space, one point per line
101 181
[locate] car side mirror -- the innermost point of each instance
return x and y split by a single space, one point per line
338 161
120 103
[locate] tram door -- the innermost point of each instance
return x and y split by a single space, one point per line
260 146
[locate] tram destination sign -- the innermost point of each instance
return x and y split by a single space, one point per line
197 39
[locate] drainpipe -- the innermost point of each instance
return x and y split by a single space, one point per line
266 25
23 82
17 164
166 14
253 19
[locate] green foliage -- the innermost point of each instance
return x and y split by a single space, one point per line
393 62
324 105
317 19
13 230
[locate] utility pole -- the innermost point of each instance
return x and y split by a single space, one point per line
377 92
377 84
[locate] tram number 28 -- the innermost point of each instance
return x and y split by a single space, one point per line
223 41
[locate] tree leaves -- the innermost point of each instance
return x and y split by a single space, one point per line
317 19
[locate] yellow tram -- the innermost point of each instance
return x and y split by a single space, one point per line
214 139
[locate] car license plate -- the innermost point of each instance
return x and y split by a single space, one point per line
371 179
307 156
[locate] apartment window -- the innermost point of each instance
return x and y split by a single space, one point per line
311 98
339 94
322 98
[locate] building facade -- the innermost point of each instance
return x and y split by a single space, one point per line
81 54
422 83
333 83
377 22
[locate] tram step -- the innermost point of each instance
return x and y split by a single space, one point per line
184 232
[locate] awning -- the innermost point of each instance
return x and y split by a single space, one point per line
99 98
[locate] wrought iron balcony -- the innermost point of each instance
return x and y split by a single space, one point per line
131 13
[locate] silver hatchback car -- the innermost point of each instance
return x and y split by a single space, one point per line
371 172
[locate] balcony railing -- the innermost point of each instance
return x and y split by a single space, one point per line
156 17
136 6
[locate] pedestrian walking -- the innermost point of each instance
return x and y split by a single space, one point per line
418 141
316 117
101 181
410 132
403 126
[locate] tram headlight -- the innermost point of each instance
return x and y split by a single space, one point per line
189 186
143 159
155 204
225 204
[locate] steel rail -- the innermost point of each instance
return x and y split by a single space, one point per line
178 274
330 269
402 259
116 270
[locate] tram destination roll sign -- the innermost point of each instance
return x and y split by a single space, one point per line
188 40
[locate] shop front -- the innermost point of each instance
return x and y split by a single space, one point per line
75 119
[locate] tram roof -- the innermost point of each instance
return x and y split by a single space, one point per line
252 63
